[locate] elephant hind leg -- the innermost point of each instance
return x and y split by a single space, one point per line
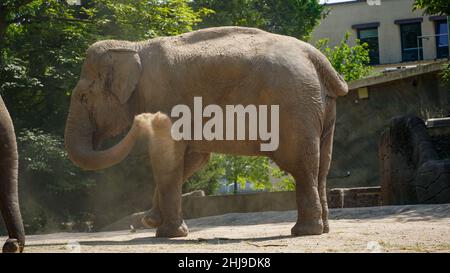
309 207
326 148
302 163
325 160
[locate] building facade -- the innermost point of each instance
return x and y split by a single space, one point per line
392 30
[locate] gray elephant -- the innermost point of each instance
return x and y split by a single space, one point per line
224 66
9 199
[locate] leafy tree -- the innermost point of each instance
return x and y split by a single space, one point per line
352 62
42 46
445 74
138 20
430 7
238 170
243 169
45 42
288 17
208 178
50 184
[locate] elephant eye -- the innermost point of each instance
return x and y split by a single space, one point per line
91 85
83 99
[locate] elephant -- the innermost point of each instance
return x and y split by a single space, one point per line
224 66
9 199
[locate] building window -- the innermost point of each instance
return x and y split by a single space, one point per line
441 39
412 49
370 36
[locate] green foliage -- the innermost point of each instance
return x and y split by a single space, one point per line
137 20
53 190
208 178
283 180
446 74
260 172
47 49
352 62
43 155
431 7
243 169
45 42
295 18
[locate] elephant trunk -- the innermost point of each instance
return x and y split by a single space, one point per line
79 141
9 197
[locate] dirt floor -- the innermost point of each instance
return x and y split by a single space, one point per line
380 229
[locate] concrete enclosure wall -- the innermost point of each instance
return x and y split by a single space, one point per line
360 123
198 207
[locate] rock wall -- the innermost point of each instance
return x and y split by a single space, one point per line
411 170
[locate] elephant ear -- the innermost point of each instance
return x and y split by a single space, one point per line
124 73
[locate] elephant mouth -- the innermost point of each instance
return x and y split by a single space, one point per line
97 140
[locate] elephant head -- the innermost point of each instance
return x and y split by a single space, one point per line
100 106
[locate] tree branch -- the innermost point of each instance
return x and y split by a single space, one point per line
42 18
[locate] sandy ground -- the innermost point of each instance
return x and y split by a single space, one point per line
380 229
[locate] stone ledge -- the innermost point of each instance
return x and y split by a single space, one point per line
197 207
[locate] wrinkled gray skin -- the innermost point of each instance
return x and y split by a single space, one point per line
224 66
9 199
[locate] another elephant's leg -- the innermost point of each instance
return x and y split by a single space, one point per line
309 206
9 198
326 147
193 162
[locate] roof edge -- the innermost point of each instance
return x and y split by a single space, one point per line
398 75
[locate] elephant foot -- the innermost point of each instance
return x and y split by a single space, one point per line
152 219
310 227
12 246
326 227
172 231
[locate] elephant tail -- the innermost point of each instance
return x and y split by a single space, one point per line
334 83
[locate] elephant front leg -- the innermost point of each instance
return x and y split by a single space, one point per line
193 161
166 213
167 164
173 224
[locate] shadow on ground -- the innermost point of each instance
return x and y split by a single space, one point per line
166 241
